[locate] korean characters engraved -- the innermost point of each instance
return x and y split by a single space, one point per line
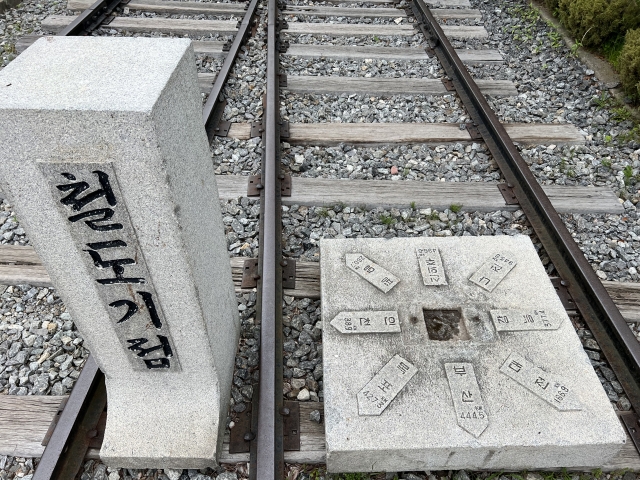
385 385
550 388
431 266
493 271
519 320
470 411
367 322
89 197
371 272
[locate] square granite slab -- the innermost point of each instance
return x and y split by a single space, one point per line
454 353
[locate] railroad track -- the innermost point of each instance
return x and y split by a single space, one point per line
467 120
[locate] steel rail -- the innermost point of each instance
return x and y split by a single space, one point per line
214 107
619 345
69 442
268 461
66 449
90 19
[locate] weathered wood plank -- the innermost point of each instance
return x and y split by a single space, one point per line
369 134
431 3
388 86
19 255
21 264
25 42
448 3
171 7
55 23
497 88
378 12
473 196
372 86
480 57
472 57
464 31
211 48
358 30
35 275
24 421
626 296
351 12
348 30
356 53
205 81
544 133
456 13
369 2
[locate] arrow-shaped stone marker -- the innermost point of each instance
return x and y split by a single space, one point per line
371 272
367 322
493 271
431 266
467 400
385 386
518 320
549 388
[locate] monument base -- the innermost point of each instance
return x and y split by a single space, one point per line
454 353
189 436
108 163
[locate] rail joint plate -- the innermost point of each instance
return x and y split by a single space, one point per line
288 273
632 423
291 426
508 194
240 435
562 289
250 274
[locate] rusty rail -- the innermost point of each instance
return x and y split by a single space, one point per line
268 456
609 328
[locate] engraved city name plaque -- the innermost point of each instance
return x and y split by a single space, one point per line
431 266
367 322
481 369
471 413
380 391
371 272
89 198
519 320
493 271
550 388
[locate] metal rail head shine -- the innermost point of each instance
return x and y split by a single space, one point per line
616 340
269 454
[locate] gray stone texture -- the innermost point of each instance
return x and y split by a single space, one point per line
7 4
133 104
419 430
